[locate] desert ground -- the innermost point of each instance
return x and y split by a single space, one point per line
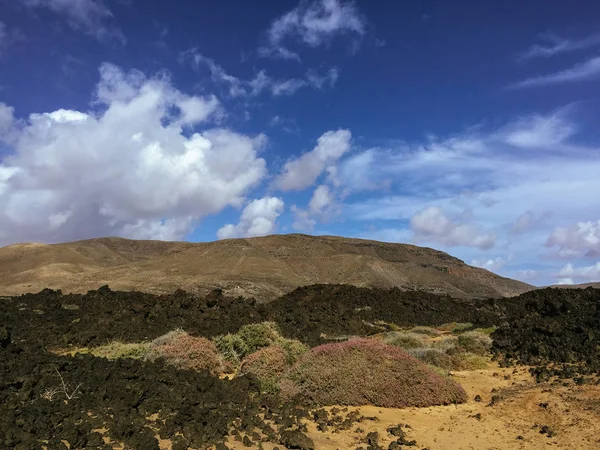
323 367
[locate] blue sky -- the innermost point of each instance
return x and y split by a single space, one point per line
470 127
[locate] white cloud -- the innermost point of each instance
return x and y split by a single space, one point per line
432 224
261 82
258 219
302 172
87 16
579 72
579 240
125 169
529 221
538 131
557 45
493 265
312 23
322 206
526 274
570 274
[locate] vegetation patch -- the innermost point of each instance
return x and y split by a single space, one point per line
234 347
405 340
428 331
188 352
475 342
366 371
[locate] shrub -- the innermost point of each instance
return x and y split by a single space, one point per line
446 343
404 340
426 331
259 335
253 337
434 357
232 347
366 371
469 361
267 364
455 327
293 349
189 352
487 331
168 338
475 342
117 350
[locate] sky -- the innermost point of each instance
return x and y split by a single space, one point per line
469 127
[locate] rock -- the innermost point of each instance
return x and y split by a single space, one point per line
4 337
296 440
478 398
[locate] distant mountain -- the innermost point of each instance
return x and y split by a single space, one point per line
264 267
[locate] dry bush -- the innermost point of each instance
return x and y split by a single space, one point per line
405 340
434 357
428 331
469 361
190 352
366 371
446 343
455 327
117 350
475 342
168 338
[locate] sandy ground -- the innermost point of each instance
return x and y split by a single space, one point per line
513 422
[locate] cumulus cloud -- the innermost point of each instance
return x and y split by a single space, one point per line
570 274
322 206
432 224
87 16
555 45
302 172
258 219
493 265
579 240
133 167
312 23
579 72
261 82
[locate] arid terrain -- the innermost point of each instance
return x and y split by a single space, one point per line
323 367
264 267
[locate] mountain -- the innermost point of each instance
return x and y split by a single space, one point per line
264 267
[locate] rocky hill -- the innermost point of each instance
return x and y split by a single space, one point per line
263 267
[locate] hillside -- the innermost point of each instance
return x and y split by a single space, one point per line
264 267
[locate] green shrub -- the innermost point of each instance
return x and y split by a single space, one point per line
404 340
253 337
426 331
363 372
293 349
232 347
475 342
117 350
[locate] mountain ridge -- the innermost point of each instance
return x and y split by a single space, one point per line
264 267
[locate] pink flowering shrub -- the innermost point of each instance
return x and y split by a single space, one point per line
366 372
267 363
189 352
